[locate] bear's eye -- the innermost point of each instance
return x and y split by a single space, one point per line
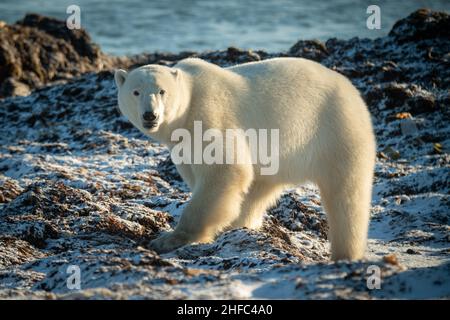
162 91
136 93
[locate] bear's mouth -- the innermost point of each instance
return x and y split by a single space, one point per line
149 124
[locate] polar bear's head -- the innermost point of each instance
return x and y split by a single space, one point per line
148 96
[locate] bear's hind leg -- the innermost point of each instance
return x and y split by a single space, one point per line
259 198
346 200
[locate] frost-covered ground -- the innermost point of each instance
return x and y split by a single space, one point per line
80 186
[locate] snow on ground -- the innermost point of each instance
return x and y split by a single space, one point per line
80 186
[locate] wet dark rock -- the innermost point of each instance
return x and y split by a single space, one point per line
78 39
309 49
396 95
421 104
236 55
232 56
55 53
162 58
37 234
420 25
373 96
412 251
391 71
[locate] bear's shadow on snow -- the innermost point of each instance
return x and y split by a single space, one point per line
329 282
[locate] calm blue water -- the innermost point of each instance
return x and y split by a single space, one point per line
134 26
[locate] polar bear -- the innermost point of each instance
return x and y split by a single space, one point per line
325 137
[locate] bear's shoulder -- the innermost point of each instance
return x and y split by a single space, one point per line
204 71
192 64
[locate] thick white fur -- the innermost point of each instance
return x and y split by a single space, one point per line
326 137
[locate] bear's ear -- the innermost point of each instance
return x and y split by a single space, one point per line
120 76
175 72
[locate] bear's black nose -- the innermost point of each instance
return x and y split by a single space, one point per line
149 116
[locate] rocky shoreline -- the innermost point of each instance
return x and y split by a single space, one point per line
80 186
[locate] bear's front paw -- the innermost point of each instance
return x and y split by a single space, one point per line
169 241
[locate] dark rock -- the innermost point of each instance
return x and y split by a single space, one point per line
396 95
391 71
422 104
38 233
37 50
412 251
238 55
78 39
373 96
422 24
332 45
410 97
309 49
103 75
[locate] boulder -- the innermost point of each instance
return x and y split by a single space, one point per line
37 50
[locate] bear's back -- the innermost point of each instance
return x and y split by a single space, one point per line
287 68
284 70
